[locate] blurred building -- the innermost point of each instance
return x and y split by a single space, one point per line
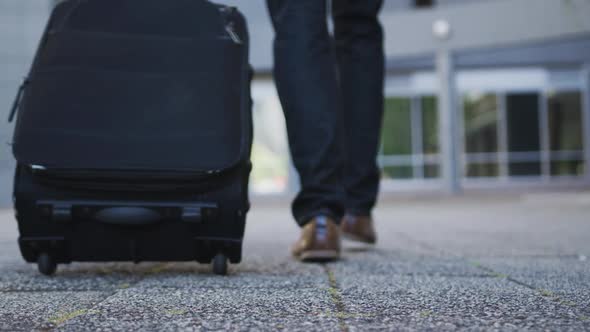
517 111
480 93
519 82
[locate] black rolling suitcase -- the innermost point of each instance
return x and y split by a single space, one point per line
133 135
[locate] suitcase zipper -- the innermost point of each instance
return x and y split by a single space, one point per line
18 99
121 181
114 174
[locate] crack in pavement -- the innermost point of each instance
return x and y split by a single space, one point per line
56 322
53 323
336 296
543 292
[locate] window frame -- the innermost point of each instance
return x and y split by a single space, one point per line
545 155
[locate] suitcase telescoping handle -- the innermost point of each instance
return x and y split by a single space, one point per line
128 216
128 213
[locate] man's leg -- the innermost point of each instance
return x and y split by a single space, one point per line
306 78
359 49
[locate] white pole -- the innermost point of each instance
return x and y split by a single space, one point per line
586 117
448 113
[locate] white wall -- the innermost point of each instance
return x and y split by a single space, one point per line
485 24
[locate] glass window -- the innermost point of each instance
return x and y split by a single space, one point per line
429 107
398 172
524 168
431 171
481 123
565 168
565 121
522 112
424 3
481 132
406 120
396 137
523 122
483 170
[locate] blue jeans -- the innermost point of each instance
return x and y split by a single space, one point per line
331 90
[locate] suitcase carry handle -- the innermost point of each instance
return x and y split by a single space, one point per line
128 216
127 213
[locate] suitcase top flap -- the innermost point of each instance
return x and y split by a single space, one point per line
147 88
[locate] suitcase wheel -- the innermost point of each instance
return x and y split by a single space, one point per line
220 264
46 264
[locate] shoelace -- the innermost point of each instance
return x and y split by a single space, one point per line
322 228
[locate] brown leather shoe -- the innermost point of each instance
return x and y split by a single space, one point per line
359 228
319 242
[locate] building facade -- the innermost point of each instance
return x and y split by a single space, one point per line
518 94
501 99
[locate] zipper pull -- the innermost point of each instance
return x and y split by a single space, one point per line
227 12
232 33
37 168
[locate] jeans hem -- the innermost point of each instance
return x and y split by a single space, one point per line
359 212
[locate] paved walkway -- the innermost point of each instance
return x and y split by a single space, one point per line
475 263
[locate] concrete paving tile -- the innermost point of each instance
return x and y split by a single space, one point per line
271 263
422 276
43 310
479 226
256 271
450 303
210 323
563 279
159 309
241 280
74 277
394 262
555 273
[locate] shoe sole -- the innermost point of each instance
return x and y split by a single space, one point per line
356 238
319 256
